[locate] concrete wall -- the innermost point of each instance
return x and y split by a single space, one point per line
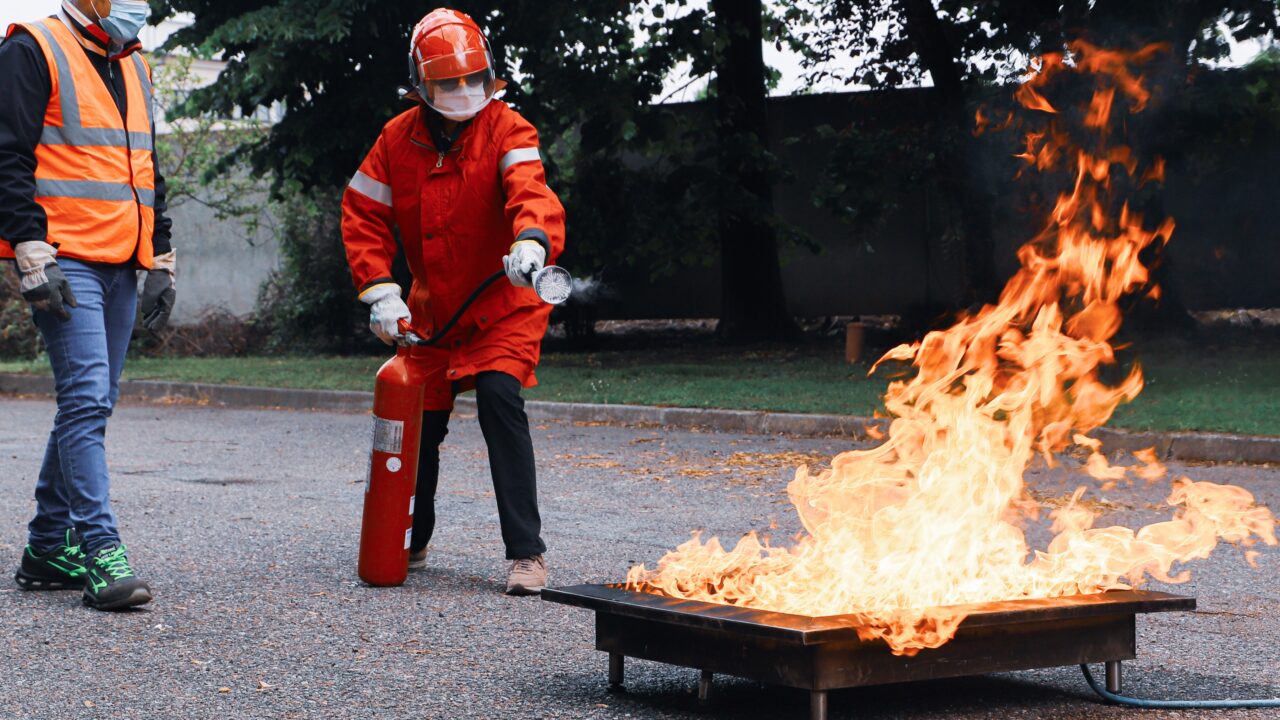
220 266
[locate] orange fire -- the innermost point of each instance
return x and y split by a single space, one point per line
934 516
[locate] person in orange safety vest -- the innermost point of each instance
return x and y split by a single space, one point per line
459 176
82 209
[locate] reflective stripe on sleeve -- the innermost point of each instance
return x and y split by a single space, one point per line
376 191
517 156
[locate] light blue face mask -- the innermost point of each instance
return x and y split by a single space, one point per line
126 19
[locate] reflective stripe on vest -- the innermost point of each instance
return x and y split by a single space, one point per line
73 131
94 190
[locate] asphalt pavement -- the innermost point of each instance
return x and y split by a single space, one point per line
246 524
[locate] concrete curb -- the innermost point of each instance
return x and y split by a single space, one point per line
206 394
1181 446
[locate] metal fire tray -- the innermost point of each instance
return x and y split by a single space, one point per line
819 654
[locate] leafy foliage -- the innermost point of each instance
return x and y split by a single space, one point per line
638 180
19 337
992 40
193 154
643 183
308 302
335 66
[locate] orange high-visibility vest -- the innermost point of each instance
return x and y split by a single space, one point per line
94 175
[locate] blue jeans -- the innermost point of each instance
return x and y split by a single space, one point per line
87 354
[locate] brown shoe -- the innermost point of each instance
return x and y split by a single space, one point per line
418 560
528 576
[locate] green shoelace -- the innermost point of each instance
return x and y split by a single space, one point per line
115 563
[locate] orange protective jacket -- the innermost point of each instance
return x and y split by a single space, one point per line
94 173
457 214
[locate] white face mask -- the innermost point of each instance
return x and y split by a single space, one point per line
460 104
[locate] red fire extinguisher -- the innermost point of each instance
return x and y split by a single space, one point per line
393 471
389 499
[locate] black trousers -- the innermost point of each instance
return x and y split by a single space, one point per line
506 432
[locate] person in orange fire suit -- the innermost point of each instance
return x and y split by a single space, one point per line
460 177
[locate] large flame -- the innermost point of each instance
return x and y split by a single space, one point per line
934 516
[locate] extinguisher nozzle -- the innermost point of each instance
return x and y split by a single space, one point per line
553 284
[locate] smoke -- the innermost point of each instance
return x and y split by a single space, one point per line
590 290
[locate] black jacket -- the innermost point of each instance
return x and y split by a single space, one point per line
25 87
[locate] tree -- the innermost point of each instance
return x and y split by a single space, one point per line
191 153
753 306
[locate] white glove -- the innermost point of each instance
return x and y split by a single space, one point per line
526 258
386 310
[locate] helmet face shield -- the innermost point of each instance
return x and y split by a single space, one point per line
459 98
482 79
451 64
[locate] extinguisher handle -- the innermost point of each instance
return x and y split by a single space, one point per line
406 331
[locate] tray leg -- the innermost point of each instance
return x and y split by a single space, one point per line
704 687
1113 676
818 705
616 661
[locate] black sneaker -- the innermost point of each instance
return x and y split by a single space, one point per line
61 568
109 582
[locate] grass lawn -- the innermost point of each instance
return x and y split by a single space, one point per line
1189 386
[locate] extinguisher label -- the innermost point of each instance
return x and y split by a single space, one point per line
388 435
411 499
408 535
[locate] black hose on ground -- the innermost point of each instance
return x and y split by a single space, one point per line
1174 704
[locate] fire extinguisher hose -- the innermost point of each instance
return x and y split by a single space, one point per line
444 329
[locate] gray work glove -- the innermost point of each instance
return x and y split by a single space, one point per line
43 284
159 292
